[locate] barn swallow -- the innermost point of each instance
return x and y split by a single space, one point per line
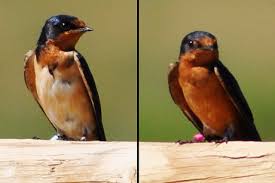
61 82
207 93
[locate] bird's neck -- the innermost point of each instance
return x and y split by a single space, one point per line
199 58
55 59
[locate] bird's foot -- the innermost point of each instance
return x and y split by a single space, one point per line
36 138
55 137
83 138
181 142
220 141
59 137
197 138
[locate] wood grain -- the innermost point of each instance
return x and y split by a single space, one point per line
238 162
64 161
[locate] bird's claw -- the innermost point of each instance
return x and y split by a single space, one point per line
59 137
181 142
197 138
220 141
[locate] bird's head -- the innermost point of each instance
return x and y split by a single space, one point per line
199 48
63 31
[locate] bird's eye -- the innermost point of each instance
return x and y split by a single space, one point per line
65 26
193 44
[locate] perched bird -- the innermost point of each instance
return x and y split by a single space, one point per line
207 93
62 84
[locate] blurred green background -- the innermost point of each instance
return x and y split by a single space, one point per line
246 34
110 51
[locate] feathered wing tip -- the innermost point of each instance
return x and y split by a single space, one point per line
92 91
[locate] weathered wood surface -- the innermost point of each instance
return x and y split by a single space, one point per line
64 161
240 162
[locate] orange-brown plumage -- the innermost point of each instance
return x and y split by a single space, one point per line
60 81
206 97
207 92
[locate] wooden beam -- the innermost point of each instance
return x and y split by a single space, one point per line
66 161
208 162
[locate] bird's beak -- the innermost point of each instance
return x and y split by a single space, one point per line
85 29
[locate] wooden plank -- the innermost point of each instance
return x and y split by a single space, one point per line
238 162
64 161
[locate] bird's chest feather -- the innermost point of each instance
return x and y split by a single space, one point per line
55 86
207 98
63 96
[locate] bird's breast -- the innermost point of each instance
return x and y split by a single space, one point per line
207 98
64 98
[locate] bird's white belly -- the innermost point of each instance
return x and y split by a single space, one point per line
66 103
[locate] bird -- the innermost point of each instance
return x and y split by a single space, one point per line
207 92
61 82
